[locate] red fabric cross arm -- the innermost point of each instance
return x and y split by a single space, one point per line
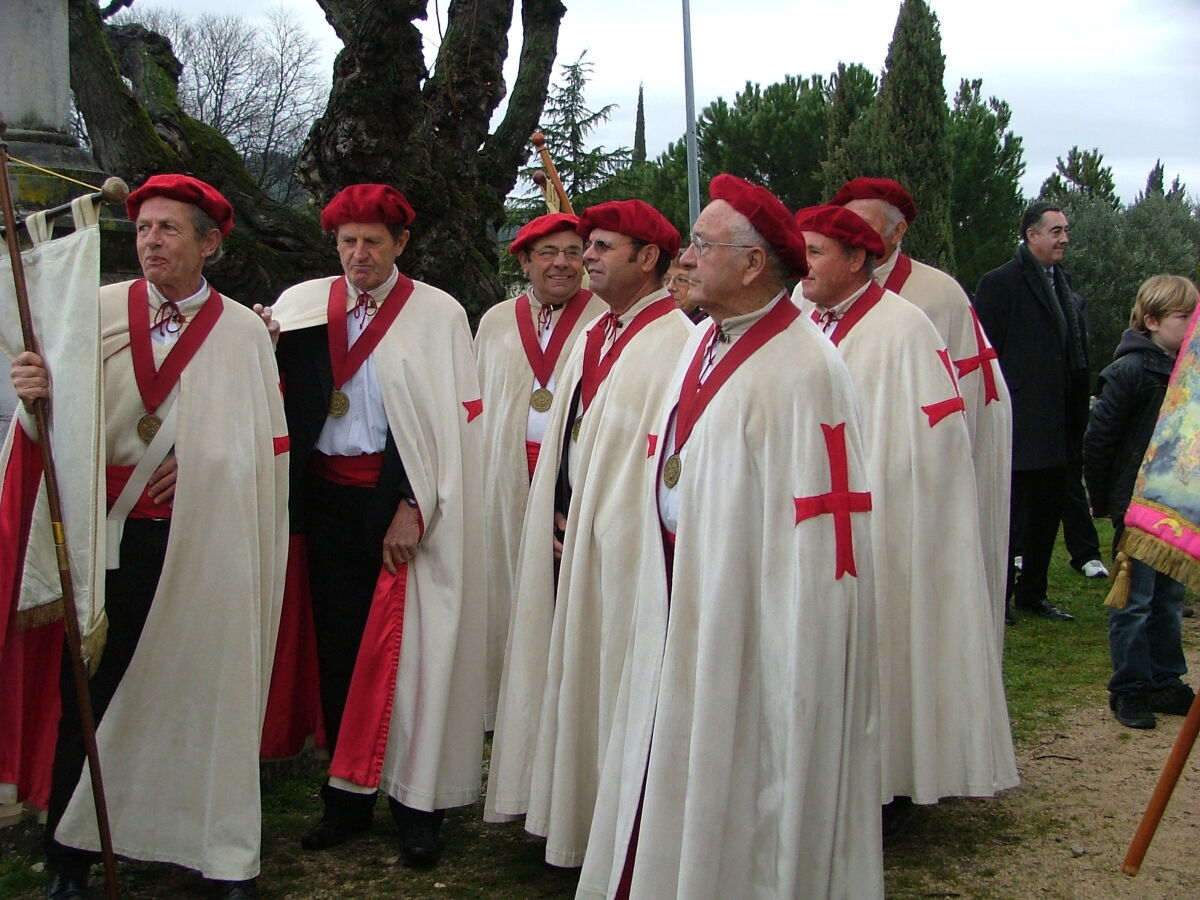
941 409
839 502
983 362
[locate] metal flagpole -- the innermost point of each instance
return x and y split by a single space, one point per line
54 501
693 166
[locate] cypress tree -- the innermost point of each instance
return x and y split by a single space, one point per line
639 130
910 129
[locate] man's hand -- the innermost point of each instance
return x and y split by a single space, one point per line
560 532
30 379
273 327
402 538
161 486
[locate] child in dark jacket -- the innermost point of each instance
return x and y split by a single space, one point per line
1144 637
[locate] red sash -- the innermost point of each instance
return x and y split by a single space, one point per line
694 397
863 305
542 362
155 385
532 448
354 471
595 369
116 478
345 360
899 274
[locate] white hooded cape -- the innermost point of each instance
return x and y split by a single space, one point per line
945 728
506 379
179 741
988 407
565 652
430 391
748 708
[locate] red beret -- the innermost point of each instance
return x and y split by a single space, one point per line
877 189
367 203
841 224
185 189
639 220
767 214
541 227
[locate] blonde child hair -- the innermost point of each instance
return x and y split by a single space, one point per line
1159 296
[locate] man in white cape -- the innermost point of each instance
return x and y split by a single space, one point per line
196 452
383 401
945 725
744 756
567 641
889 208
521 348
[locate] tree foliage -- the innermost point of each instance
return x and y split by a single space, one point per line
910 128
1083 172
1114 249
850 151
985 194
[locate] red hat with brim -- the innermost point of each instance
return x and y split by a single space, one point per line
367 203
542 226
877 189
842 225
185 189
767 214
633 218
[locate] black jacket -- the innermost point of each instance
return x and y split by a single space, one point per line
1131 390
1027 324
307 379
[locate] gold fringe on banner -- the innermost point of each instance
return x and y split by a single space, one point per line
91 644
39 615
1160 556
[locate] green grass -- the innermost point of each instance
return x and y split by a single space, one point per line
1050 668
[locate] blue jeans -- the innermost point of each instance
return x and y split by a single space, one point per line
1144 637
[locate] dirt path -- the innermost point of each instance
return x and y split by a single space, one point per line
1065 831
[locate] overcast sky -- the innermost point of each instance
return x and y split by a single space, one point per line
1119 75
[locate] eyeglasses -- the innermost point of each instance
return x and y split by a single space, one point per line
549 254
602 247
700 246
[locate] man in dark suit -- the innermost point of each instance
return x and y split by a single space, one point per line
1035 322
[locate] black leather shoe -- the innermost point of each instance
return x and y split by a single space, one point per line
67 885
896 818
329 833
1175 700
1132 710
238 890
420 843
1046 610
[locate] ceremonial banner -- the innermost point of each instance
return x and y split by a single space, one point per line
63 278
1162 525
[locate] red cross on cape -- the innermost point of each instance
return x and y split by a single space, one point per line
839 502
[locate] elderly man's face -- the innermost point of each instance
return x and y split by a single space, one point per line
832 277
170 251
716 273
1048 239
368 251
554 266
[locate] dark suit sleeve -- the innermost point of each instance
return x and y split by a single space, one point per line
993 303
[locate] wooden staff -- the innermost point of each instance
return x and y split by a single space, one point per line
116 191
1180 751
539 144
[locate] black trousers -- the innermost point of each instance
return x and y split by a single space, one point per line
128 594
1079 531
1038 496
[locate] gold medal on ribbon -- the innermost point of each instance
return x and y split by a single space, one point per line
671 469
575 428
147 427
541 400
339 404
